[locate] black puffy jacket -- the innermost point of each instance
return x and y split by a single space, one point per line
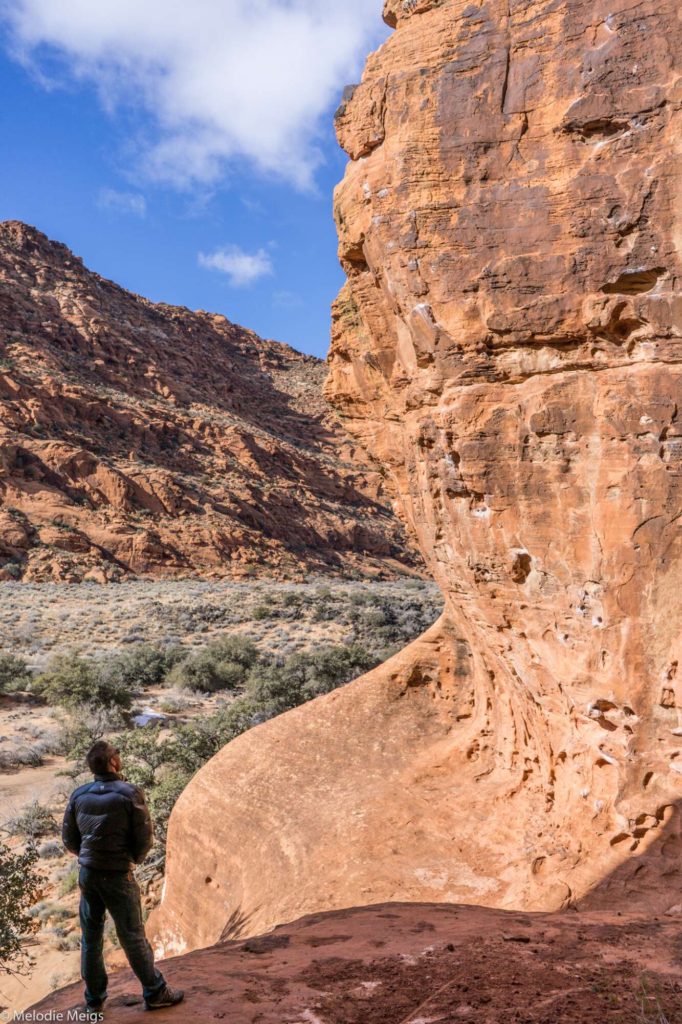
107 824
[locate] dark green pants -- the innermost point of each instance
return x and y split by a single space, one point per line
119 893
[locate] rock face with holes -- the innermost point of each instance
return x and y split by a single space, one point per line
508 344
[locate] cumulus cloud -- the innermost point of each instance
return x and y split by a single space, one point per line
242 268
222 81
122 202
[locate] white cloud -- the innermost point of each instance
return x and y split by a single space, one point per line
123 202
242 268
222 81
287 300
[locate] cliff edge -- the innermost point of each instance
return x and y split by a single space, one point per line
508 345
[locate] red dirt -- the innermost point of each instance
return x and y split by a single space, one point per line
424 964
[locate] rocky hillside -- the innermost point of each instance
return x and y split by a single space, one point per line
145 439
509 345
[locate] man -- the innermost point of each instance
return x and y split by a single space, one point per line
107 825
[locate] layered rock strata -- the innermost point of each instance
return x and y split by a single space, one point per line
508 344
138 438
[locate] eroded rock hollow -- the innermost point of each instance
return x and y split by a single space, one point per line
508 344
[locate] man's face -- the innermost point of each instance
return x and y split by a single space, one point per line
115 763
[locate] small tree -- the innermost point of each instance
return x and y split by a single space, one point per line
144 757
19 890
14 673
87 724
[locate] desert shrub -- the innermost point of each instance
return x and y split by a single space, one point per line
14 673
143 666
323 611
331 667
34 822
45 740
69 881
50 850
277 687
172 703
20 757
66 942
195 743
163 798
203 672
292 600
48 910
222 665
238 650
72 681
19 887
92 722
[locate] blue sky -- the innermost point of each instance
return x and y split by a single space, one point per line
193 165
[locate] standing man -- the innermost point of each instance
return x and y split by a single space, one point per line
107 825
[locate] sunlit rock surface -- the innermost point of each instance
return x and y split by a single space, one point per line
508 345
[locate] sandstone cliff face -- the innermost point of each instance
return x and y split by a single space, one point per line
508 344
141 438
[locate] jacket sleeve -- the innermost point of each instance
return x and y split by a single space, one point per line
142 831
71 836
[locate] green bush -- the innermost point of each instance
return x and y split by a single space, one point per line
14 673
72 681
143 755
163 798
301 677
143 666
19 888
277 688
222 665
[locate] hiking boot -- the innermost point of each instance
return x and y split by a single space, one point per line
166 997
95 1005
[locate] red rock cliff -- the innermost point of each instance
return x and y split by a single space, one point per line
143 438
508 344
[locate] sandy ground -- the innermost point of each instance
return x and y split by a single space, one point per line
425 964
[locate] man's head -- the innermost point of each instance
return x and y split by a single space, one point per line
103 758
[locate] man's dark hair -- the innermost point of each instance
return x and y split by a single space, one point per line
98 757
